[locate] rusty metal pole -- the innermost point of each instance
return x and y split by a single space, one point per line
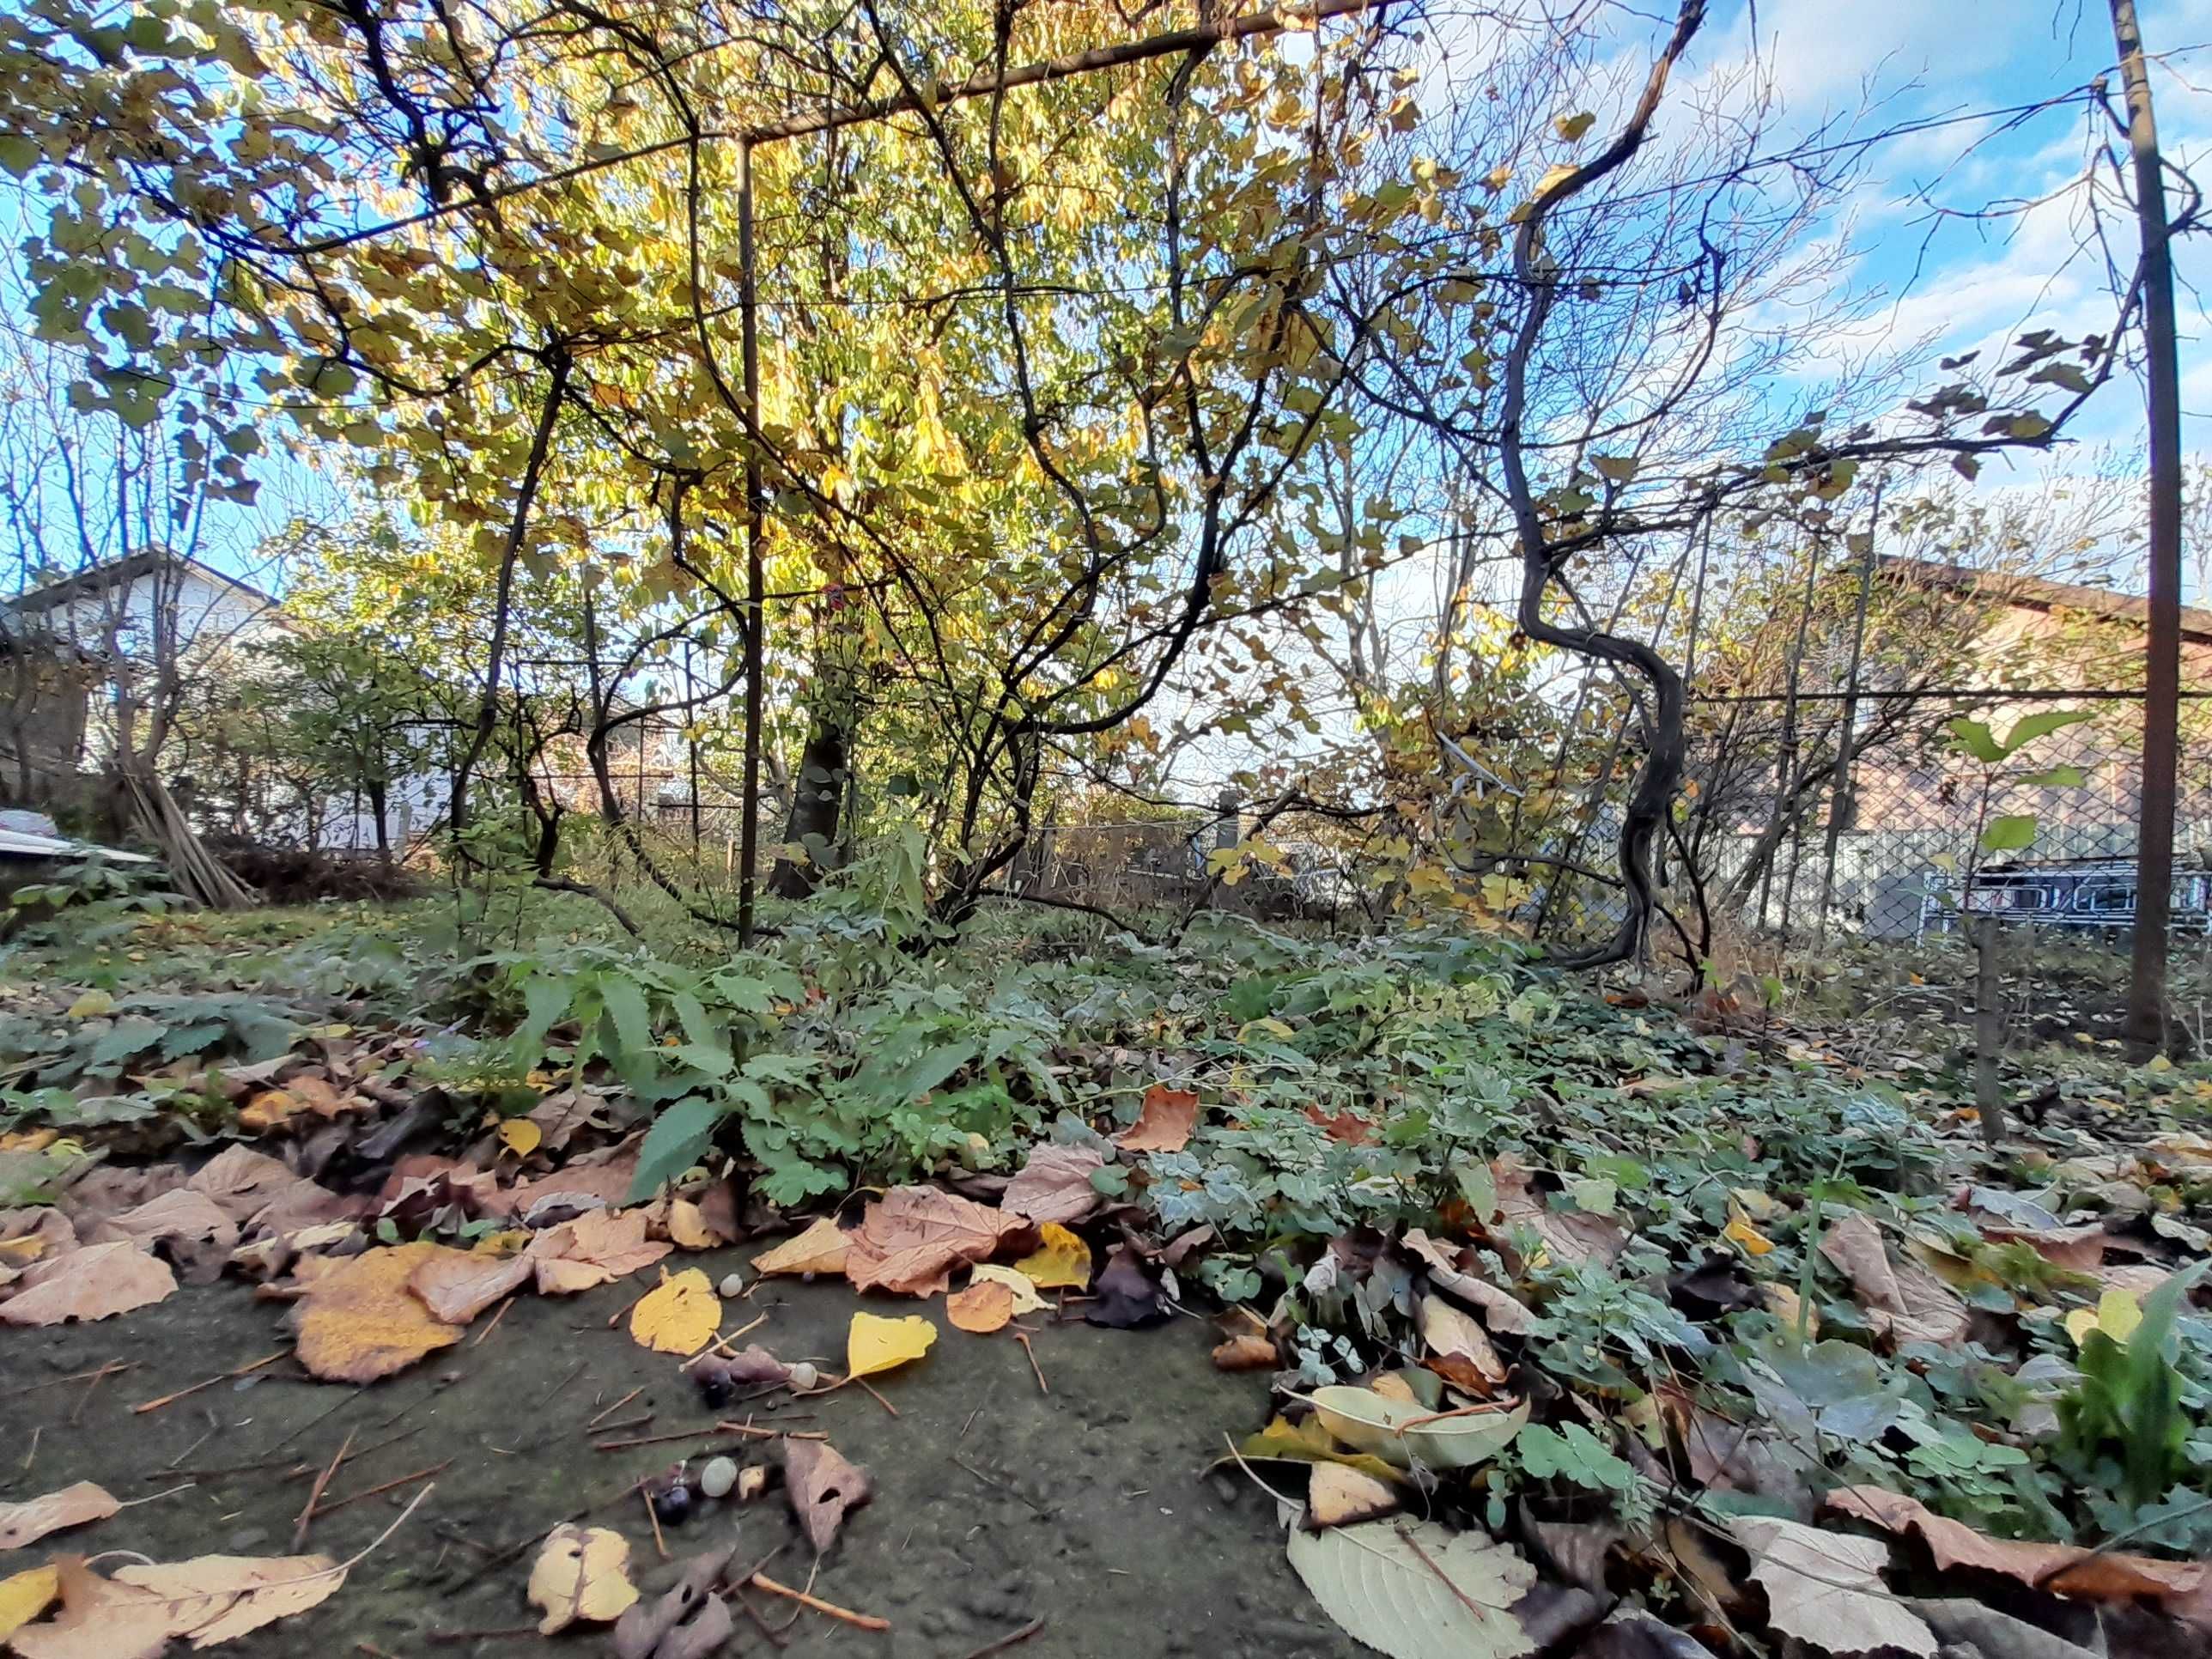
2146 1026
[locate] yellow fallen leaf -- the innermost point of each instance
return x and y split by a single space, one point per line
267 1111
360 1321
2117 1315
1063 1259
876 1344
1741 1230
581 1572
680 1316
1759 1205
820 1250
1026 1299
25 1597
91 1006
29 1140
985 1306
520 1135
687 1226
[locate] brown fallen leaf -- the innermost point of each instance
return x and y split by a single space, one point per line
1054 1185
820 1250
216 1598
1245 1352
824 1488
1164 1123
595 1248
100 1620
581 1573
1340 1497
358 1322
1572 1238
72 1506
643 1630
1826 1588
985 1306
2183 1588
911 1239
246 1186
270 1111
96 1282
456 1286
1452 1334
1902 1298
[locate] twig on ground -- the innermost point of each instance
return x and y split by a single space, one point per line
243 1370
494 1325
653 1515
1003 1485
751 1432
1008 1640
315 1492
1023 1337
435 1470
861 1620
595 1422
719 1344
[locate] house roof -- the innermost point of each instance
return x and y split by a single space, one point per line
111 573
2037 593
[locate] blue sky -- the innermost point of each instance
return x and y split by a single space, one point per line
1956 284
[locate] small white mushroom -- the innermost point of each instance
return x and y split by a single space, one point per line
733 1283
718 1477
803 1375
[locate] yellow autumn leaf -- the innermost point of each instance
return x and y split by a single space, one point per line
2117 1315
25 1597
679 1317
359 1321
1024 1288
520 1135
820 1250
581 1572
876 1344
1759 1205
1571 127
91 1006
687 1226
1741 1230
268 1110
1063 1259
1787 1306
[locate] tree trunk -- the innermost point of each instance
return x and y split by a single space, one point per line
377 791
817 796
2146 1027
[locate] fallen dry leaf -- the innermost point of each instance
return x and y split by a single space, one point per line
823 1486
72 1506
1337 1496
681 1316
25 1596
96 1282
1247 1353
595 1248
1452 1334
1902 1298
100 1620
2184 1588
913 1237
985 1306
1165 1122
1826 1588
820 1250
874 1344
1054 1185
269 1111
457 1286
519 1135
1019 1285
581 1573
216 1598
245 1185
645 1631
358 1322
1571 1237
1062 1261
686 1226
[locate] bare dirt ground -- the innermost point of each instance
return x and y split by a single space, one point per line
996 1504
